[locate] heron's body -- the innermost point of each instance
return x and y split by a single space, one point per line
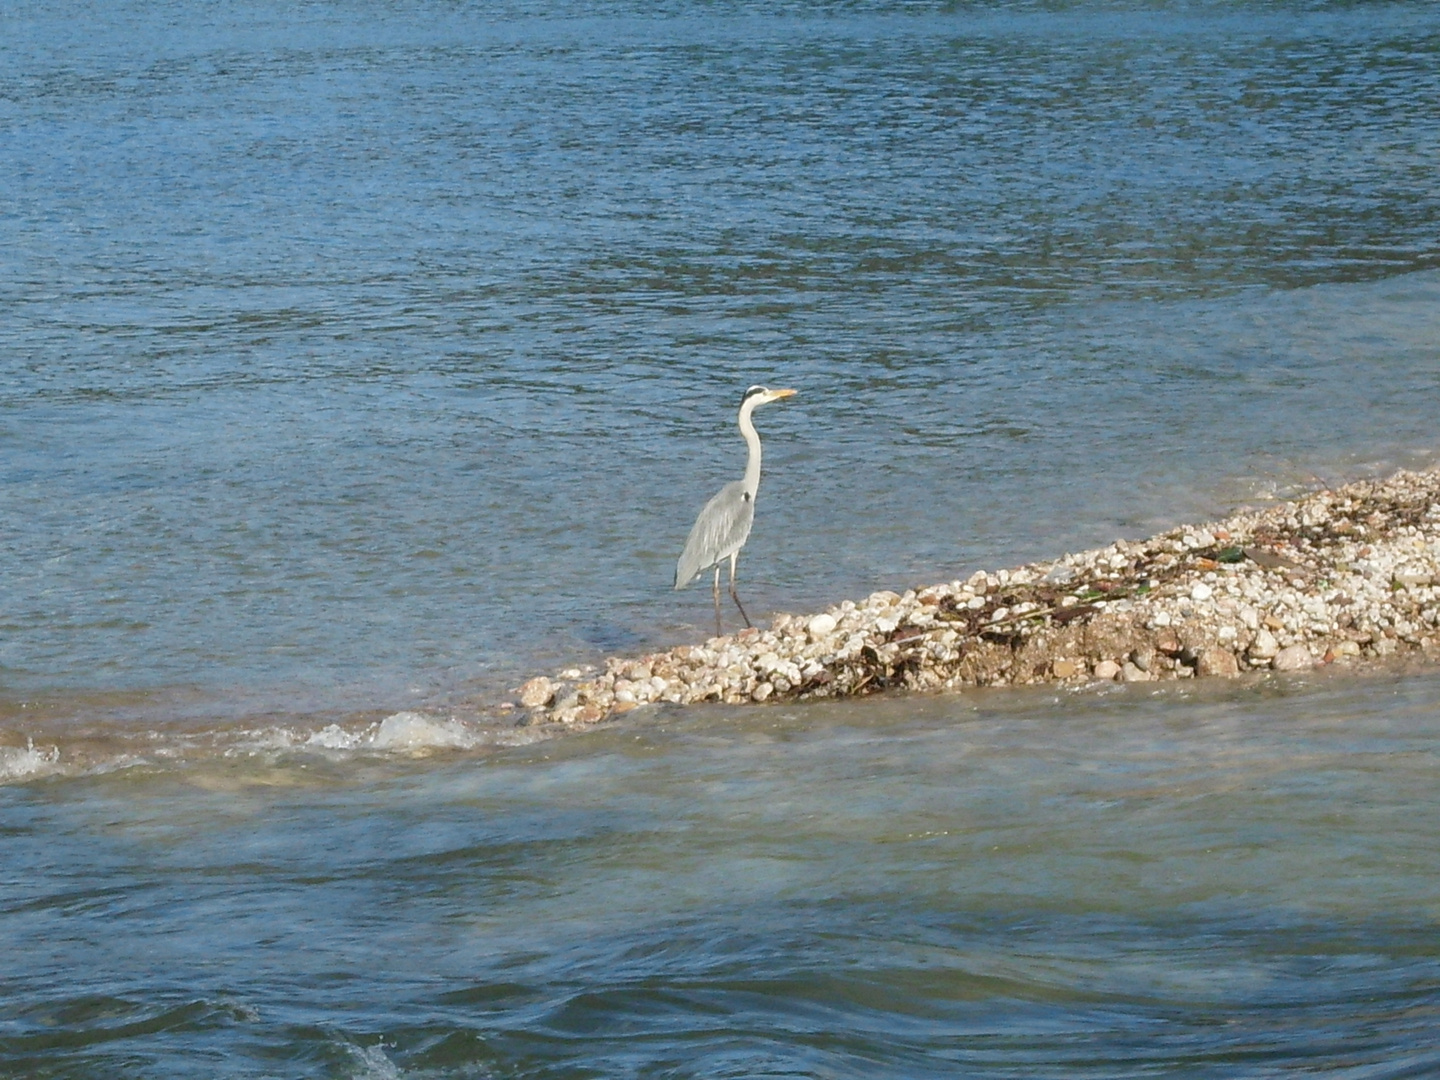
723 526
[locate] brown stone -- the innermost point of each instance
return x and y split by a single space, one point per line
1064 669
1217 661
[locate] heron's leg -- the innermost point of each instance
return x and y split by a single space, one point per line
716 593
733 595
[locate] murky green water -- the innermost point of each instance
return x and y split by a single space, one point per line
357 361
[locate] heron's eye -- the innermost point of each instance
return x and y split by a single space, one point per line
745 495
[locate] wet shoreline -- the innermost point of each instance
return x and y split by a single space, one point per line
1345 578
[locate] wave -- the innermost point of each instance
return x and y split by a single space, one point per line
24 763
402 735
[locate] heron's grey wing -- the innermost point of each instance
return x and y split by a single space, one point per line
721 529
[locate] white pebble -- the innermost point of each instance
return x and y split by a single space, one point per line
820 626
1294 658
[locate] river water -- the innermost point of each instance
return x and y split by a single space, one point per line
358 361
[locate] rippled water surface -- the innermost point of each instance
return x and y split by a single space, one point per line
357 361
1216 881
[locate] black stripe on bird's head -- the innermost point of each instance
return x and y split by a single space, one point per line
761 394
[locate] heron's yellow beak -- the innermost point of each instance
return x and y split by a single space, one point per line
776 395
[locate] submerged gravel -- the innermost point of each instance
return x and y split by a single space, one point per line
1338 577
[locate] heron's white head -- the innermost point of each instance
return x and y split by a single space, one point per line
763 395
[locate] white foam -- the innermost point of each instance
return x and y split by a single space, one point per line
416 731
334 737
372 1063
18 764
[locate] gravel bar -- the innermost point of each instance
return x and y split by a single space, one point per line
1343 577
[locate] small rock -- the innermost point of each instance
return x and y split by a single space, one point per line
1217 661
1201 591
1130 673
821 626
1293 658
1064 669
1264 647
763 691
537 692
1107 669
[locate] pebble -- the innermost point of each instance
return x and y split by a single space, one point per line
537 692
1264 647
1217 660
821 626
1293 658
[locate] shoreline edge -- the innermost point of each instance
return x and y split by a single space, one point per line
1349 577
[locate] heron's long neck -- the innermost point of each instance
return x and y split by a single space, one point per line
752 440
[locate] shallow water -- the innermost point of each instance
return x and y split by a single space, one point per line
357 362
1217 880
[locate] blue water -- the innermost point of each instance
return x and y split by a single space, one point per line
357 362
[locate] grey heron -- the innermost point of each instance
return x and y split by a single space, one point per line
724 524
